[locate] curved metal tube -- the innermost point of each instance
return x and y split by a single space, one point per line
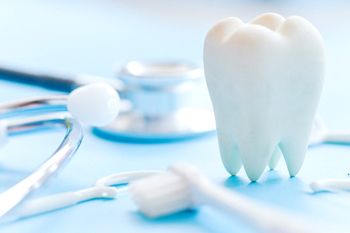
70 143
34 105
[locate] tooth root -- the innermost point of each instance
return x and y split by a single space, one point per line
275 158
269 20
294 150
255 156
229 152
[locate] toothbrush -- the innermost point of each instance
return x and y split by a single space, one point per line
183 187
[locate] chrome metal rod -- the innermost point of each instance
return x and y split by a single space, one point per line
74 135
34 105
43 104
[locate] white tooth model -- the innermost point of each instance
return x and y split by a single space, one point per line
265 79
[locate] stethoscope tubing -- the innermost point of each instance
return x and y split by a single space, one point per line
51 82
57 82
68 83
33 105
13 196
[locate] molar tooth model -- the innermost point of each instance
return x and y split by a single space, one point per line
265 79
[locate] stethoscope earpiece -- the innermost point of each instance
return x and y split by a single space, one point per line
95 104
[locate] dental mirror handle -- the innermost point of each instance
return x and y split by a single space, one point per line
58 201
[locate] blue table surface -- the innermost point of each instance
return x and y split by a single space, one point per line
95 37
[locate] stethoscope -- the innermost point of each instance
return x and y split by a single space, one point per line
155 102
156 99
68 111
82 108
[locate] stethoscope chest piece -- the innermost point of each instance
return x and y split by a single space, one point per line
162 103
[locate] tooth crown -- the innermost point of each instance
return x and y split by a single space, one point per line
265 79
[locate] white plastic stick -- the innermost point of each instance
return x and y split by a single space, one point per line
342 136
101 189
124 177
330 185
58 201
264 217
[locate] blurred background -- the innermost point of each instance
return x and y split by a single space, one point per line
97 37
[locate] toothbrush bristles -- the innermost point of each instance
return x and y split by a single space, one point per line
161 195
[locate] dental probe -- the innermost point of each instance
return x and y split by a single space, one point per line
183 187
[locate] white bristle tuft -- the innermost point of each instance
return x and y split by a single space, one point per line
183 187
161 195
96 104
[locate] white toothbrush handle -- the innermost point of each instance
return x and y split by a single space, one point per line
264 217
53 202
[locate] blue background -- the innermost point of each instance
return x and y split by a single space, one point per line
97 36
